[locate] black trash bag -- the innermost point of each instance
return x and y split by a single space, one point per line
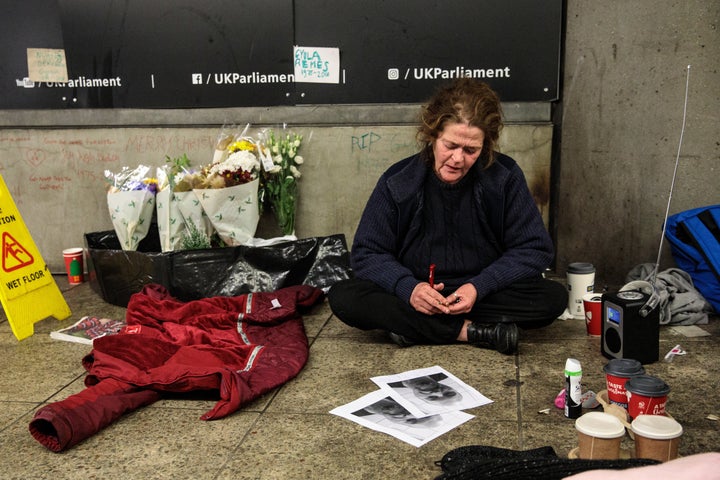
116 274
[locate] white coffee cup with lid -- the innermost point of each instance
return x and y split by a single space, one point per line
599 436
657 437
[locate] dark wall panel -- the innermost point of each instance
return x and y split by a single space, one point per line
236 53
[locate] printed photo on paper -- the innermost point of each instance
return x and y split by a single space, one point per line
429 391
381 412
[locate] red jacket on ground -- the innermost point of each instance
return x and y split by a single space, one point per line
241 347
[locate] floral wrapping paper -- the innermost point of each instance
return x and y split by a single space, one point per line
131 203
233 212
131 214
192 213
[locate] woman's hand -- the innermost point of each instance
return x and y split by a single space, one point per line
428 299
462 300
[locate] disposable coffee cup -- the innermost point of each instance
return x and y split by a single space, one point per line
74 265
656 437
617 372
592 305
599 436
580 280
646 395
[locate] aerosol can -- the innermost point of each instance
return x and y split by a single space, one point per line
573 388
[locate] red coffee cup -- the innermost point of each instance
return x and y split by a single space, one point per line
646 395
617 372
592 304
74 265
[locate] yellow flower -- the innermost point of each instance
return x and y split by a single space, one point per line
241 145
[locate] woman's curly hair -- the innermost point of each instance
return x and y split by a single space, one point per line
463 101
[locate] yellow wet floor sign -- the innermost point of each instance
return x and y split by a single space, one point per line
27 289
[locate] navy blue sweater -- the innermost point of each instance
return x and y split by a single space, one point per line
508 225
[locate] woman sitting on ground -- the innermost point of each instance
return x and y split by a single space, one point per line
451 246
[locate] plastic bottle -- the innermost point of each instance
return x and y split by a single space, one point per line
573 388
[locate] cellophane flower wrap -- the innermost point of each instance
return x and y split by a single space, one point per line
280 181
229 194
131 203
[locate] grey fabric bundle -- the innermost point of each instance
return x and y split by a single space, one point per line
680 303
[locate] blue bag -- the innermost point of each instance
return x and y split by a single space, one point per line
694 237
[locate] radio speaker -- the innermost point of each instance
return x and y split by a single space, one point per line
625 333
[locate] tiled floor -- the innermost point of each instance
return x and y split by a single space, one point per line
289 434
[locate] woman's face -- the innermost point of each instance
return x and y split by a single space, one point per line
456 150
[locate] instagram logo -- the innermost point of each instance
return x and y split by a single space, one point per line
197 78
393 73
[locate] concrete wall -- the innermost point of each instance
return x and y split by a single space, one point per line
612 141
623 94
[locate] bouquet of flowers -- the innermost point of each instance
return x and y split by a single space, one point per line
131 202
182 223
228 193
279 189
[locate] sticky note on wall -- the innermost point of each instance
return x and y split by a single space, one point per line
316 64
47 65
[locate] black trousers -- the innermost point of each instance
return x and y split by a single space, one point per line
363 304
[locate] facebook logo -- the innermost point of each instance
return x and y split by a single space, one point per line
197 79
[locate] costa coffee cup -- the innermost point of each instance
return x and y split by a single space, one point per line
617 372
656 437
646 395
599 436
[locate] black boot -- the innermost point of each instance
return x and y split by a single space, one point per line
502 337
400 340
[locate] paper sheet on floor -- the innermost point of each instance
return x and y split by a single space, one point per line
414 406
429 391
380 412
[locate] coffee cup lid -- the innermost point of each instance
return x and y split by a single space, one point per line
656 427
647 385
592 297
624 367
581 267
600 425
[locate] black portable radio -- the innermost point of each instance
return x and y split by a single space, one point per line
628 330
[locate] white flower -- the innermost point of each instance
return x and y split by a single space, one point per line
296 143
275 149
277 159
299 160
240 160
294 171
275 169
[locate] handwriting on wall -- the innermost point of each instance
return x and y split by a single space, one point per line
56 177
364 142
53 160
